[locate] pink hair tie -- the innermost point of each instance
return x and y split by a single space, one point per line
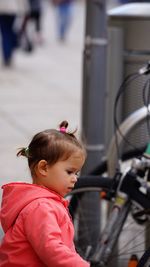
62 129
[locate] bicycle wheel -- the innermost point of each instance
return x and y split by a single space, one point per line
134 137
131 239
145 259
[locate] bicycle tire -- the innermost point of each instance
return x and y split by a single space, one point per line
84 251
88 183
145 259
127 127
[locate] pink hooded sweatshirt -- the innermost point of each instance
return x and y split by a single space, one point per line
38 229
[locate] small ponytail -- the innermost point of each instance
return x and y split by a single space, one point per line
63 124
63 128
24 151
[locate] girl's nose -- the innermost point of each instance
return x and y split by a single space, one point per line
74 178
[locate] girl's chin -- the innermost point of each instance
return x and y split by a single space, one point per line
69 189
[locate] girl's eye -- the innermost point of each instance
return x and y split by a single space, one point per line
69 172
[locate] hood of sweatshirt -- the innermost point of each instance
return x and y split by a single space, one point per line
18 195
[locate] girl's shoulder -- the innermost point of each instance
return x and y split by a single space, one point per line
47 205
46 208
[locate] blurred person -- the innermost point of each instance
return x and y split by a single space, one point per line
38 228
34 15
64 17
9 10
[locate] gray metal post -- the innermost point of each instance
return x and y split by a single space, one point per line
94 82
93 109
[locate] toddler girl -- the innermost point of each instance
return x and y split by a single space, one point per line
38 229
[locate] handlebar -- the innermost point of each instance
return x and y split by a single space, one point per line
131 186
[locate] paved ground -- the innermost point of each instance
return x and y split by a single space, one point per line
41 89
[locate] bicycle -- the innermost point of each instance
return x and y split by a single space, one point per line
123 193
128 191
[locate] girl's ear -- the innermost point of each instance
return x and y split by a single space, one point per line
42 167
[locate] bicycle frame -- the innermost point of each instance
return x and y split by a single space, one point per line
109 237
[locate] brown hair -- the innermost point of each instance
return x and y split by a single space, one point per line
51 145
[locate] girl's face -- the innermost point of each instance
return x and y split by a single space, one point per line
62 176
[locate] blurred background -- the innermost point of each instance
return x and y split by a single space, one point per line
41 85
